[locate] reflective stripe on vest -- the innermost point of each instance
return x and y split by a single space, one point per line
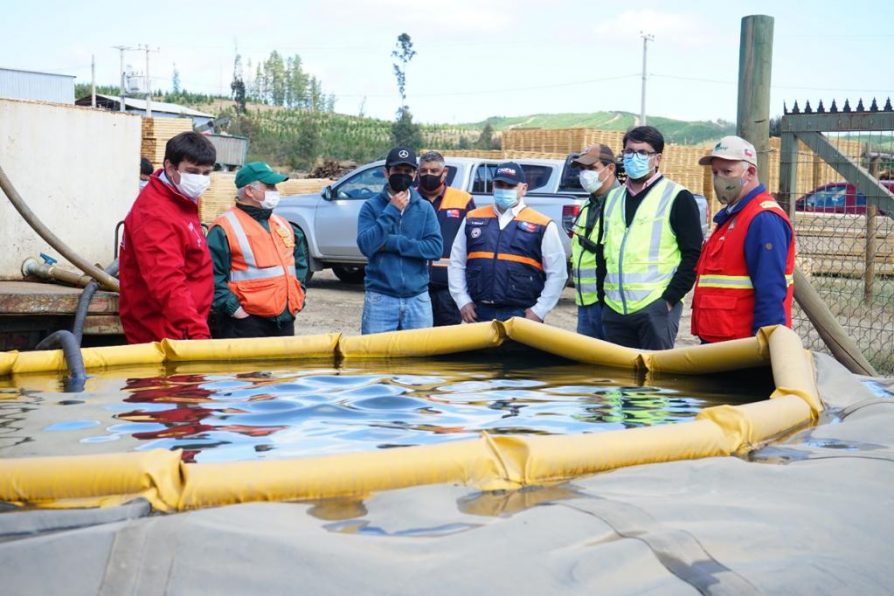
504 267
583 262
253 271
732 282
640 259
723 304
451 212
262 274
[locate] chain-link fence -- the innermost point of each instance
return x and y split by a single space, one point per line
836 176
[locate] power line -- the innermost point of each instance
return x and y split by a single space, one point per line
502 90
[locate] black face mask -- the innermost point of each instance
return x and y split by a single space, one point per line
430 182
399 182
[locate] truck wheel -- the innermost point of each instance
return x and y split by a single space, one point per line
350 274
310 272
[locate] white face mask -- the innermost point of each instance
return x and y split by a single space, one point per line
193 185
591 180
271 199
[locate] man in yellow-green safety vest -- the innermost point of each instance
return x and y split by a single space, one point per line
597 177
652 239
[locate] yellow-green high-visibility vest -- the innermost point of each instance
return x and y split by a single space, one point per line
640 260
583 261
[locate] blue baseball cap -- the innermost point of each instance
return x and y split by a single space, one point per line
510 173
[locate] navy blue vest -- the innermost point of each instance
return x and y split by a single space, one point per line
451 209
505 267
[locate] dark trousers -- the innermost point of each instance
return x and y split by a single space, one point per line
443 308
652 328
224 327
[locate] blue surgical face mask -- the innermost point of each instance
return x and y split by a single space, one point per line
636 165
506 198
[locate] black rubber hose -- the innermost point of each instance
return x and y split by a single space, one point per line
77 373
84 302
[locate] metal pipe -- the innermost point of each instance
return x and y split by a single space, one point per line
34 268
843 348
107 281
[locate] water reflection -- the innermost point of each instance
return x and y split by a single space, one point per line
282 412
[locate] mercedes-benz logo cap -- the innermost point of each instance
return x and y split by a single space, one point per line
401 156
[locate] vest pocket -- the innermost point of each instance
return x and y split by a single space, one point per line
715 317
522 286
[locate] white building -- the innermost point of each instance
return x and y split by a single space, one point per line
38 86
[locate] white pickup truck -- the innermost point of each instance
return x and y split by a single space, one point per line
329 218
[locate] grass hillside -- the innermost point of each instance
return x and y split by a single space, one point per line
675 131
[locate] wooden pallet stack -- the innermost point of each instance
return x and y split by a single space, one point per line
219 197
302 186
156 133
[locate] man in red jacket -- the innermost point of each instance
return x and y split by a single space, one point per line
165 267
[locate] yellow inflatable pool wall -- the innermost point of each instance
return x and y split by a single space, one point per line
488 463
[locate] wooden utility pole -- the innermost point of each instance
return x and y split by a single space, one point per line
871 230
755 65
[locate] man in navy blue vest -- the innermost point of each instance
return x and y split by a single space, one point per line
451 205
507 259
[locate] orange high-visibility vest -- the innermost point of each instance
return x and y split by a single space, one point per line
262 264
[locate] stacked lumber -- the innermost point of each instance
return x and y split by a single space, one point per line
302 186
219 197
156 134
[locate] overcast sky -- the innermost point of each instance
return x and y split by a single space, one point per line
476 58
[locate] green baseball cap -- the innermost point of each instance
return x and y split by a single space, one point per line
257 171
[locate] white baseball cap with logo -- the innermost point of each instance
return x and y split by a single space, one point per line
732 148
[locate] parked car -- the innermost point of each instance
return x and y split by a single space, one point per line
329 218
837 197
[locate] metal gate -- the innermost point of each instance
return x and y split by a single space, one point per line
836 176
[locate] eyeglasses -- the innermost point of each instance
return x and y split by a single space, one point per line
641 153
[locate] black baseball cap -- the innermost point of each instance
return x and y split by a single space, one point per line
401 156
510 173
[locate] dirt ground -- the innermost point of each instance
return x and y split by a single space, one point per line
332 305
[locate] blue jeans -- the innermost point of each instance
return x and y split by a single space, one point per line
589 320
489 312
386 313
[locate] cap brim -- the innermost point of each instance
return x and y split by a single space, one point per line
585 160
403 162
706 160
273 178
511 181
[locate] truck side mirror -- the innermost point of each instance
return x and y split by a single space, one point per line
326 193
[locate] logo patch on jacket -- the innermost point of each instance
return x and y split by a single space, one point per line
476 232
453 213
527 226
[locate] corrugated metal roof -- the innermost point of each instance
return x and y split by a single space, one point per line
51 74
157 106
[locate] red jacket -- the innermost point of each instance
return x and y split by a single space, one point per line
165 268
723 303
